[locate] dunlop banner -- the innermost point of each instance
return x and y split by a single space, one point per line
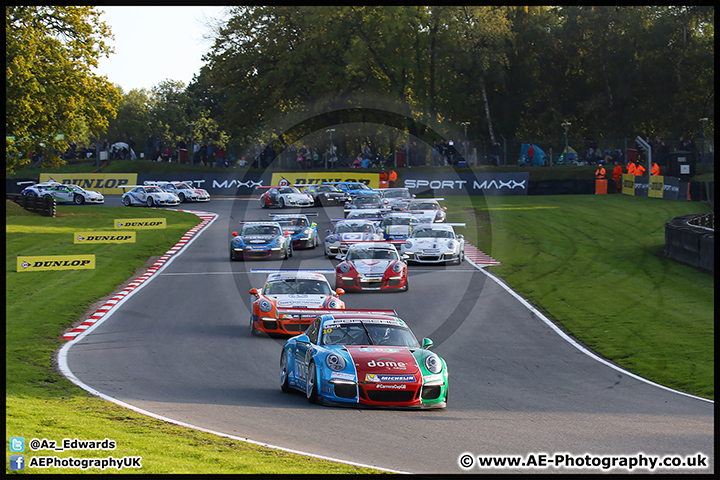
104 237
372 180
628 184
140 223
56 262
657 185
105 183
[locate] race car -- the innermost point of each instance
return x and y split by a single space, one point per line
325 194
304 234
291 289
285 196
371 266
351 188
149 195
366 201
396 198
184 191
434 243
396 226
260 240
363 358
37 189
427 211
72 194
347 232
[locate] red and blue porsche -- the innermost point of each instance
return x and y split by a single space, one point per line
366 358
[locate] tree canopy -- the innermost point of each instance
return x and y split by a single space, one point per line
51 94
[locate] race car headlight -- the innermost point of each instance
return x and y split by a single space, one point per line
334 303
451 244
265 305
397 267
335 362
433 363
409 244
306 231
237 241
344 267
331 239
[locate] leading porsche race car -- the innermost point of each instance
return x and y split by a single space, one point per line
325 194
304 233
72 194
260 240
434 243
396 198
291 289
366 201
363 358
347 232
285 196
148 195
371 266
184 191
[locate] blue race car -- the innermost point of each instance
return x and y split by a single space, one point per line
260 240
363 358
304 234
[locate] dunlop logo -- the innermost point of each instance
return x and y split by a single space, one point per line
104 237
56 262
140 223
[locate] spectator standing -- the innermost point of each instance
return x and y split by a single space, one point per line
435 154
210 153
617 175
196 152
392 178
600 172
131 146
220 154
639 169
631 167
530 154
158 148
655 169
496 153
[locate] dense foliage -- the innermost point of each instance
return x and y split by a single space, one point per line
51 95
386 74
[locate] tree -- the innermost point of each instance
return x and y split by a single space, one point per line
50 90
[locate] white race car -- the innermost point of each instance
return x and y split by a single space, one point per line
427 211
371 266
396 196
149 195
434 243
37 189
184 191
347 232
72 194
285 196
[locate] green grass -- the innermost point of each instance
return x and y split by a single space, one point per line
589 262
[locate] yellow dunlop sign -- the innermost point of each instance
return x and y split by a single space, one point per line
657 186
140 223
55 262
104 237
372 180
105 183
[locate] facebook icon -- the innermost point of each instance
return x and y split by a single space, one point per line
17 462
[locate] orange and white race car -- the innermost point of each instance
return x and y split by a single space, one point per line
287 290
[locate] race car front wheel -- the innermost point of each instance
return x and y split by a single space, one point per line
126 201
284 383
311 388
79 199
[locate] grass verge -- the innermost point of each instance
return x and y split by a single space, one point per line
40 306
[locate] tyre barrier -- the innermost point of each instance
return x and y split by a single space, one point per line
688 241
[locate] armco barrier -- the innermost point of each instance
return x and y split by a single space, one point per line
45 206
688 242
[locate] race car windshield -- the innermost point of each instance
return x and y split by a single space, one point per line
327 188
292 222
153 189
367 200
431 233
398 221
371 254
397 194
353 227
292 286
260 230
369 334
182 186
288 190
423 206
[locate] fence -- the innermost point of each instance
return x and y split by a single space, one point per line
44 206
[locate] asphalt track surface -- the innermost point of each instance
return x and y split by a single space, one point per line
180 349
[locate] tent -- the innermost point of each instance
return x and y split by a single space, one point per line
539 157
572 156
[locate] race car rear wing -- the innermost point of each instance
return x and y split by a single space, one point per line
316 312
